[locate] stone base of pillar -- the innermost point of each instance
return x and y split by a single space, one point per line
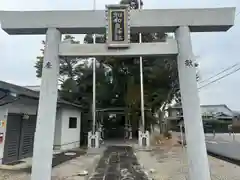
101 135
143 139
130 133
126 135
93 139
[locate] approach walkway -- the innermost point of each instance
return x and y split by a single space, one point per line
167 161
118 163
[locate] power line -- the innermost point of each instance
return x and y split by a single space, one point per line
237 14
219 78
224 70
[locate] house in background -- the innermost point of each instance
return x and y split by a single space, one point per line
219 112
34 88
174 116
18 117
210 113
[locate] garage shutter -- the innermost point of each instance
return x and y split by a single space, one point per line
12 138
27 137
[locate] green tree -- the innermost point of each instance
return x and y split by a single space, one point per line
160 75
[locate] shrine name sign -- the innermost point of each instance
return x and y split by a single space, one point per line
118 26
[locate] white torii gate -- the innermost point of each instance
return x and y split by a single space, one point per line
179 21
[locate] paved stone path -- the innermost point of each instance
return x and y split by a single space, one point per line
118 163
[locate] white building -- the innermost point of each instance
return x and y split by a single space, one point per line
18 116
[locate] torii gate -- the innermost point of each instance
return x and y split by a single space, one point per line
180 21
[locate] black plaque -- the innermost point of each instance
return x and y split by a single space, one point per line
117 25
118 28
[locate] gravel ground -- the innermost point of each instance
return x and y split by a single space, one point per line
69 170
171 164
13 175
167 162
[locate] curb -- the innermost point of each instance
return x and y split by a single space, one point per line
92 168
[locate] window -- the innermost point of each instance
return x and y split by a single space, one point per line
72 123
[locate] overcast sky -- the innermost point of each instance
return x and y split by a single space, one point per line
216 51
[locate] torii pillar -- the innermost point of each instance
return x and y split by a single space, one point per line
196 147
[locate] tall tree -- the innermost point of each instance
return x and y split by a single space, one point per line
160 75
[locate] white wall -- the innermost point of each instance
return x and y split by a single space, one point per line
224 144
58 129
70 138
3 116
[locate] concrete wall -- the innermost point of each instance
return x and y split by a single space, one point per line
67 138
224 145
3 117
